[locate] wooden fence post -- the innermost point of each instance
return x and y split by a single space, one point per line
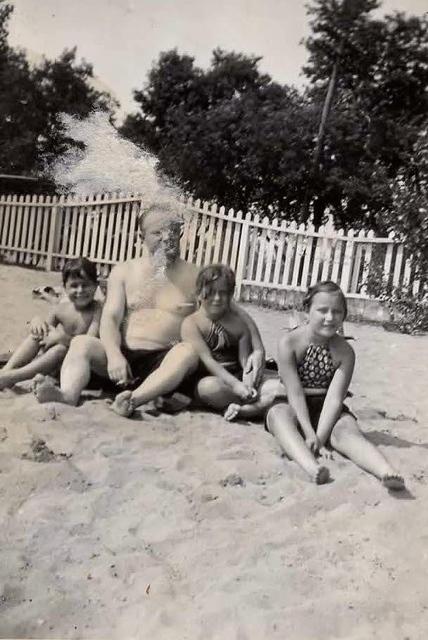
52 236
242 256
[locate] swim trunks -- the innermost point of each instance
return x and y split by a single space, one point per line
142 362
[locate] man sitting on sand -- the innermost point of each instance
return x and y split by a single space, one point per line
147 299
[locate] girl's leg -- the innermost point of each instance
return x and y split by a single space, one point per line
348 440
25 353
268 391
282 423
179 362
47 362
214 393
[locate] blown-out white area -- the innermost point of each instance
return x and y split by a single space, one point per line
108 162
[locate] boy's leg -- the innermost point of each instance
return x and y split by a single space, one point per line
178 363
47 362
282 423
85 354
348 440
23 354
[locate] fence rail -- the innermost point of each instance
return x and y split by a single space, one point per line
43 232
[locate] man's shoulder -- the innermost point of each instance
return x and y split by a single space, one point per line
122 269
188 273
189 268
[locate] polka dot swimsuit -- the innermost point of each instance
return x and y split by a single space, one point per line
317 369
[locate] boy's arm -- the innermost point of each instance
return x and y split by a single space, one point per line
293 385
256 359
333 403
94 327
111 318
39 328
190 332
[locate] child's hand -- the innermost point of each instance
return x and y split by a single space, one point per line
325 453
254 367
39 328
313 443
244 392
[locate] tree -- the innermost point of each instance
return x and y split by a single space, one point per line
229 134
31 133
381 100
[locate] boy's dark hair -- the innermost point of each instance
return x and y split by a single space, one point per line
80 268
209 276
326 286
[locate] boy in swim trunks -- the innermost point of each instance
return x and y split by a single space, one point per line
77 313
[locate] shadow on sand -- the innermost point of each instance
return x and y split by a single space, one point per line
380 437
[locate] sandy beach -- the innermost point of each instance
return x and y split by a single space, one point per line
187 527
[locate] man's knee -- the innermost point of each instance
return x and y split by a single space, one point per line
185 354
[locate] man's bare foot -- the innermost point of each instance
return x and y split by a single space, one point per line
123 404
45 389
393 482
40 380
173 403
232 411
322 475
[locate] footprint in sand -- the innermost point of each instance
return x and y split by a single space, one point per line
40 452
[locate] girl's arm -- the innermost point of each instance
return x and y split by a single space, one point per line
293 385
191 333
332 407
256 359
244 348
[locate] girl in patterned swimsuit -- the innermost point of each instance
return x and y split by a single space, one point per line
316 366
218 334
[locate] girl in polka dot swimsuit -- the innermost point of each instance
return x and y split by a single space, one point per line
316 366
305 409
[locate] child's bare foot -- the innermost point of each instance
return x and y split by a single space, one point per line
393 482
232 411
45 389
322 475
123 404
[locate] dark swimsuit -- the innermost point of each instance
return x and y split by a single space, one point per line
224 346
316 371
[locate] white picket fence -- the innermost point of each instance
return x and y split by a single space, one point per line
43 232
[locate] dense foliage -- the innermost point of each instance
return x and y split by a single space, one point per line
233 135
32 99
